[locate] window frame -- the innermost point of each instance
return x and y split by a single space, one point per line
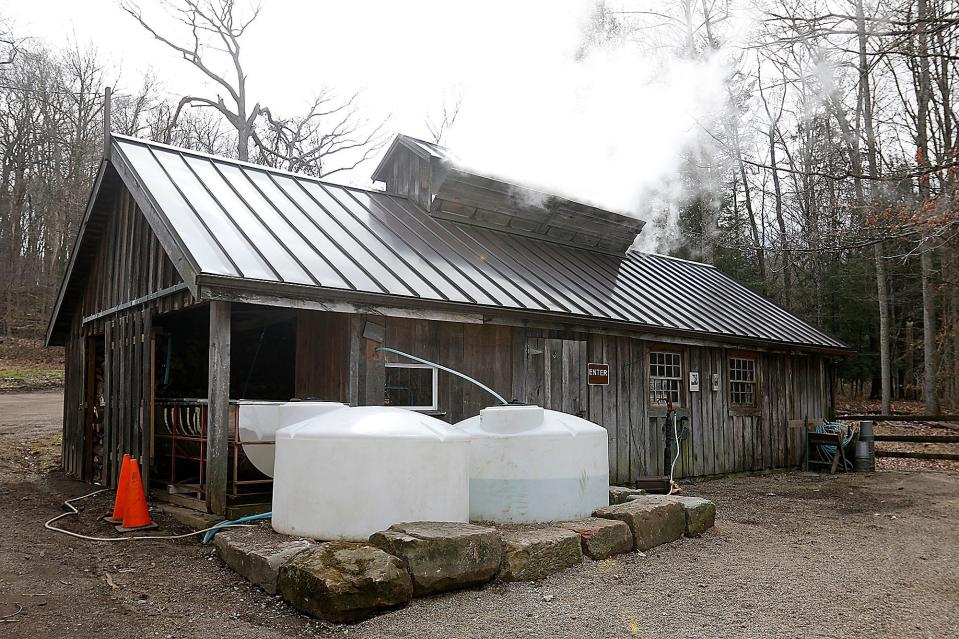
435 378
681 404
751 357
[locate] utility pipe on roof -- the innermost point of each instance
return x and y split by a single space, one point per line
443 368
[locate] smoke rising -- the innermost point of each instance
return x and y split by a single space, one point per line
607 125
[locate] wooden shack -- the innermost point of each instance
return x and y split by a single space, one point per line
199 280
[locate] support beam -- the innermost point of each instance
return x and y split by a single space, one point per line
218 416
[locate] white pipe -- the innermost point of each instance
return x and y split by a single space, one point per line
672 467
448 370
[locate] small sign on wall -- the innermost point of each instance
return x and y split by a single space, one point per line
693 381
597 374
715 381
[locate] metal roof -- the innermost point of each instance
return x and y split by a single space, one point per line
244 221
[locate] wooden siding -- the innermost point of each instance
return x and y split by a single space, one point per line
322 356
129 264
410 175
549 368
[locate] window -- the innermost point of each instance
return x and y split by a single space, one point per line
742 381
665 377
411 386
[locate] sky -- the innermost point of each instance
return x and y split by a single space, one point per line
603 129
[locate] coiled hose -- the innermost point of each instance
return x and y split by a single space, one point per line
828 451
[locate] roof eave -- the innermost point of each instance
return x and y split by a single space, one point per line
212 286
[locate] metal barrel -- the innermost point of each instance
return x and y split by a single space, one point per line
864 458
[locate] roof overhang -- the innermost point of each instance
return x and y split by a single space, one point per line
286 295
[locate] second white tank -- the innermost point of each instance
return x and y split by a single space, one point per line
529 464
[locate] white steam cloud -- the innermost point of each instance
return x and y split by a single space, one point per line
609 129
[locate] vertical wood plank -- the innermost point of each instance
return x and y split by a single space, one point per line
108 411
218 416
146 394
518 357
453 341
536 371
639 462
696 426
619 370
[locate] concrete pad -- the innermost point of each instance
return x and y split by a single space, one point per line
257 553
652 523
533 554
443 555
601 538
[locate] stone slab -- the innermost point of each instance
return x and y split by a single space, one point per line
344 582
652 523
257 553
621 494
443 556
536 553
700 513
601 538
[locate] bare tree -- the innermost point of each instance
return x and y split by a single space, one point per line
440 125
213 29
332 130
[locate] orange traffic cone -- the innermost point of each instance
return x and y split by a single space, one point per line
136 516
121 499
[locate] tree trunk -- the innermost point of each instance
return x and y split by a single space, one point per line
883 297
930 354
923 90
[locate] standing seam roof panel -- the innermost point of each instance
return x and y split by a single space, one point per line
347 245
241 220
533 255
471 260
421 256
549 302
182 218
259 265
689 298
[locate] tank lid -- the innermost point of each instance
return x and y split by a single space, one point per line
374 422
511 418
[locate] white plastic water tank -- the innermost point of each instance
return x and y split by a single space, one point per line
258 421
529 464
350 472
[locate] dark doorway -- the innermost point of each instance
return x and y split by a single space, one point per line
94 404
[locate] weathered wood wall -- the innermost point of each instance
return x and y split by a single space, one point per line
549 368
410 175
336 361
130 264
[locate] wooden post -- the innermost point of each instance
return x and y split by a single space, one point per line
146 395
218 415
107 114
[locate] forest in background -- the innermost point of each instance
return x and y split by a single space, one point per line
828 183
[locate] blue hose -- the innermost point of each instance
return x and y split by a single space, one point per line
828 451
242 520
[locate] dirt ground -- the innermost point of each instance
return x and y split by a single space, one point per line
791 556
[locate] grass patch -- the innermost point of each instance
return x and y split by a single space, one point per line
30 378
46 451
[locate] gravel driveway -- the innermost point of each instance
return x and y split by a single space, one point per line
791 556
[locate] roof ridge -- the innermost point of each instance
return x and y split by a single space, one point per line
246 163
674 258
